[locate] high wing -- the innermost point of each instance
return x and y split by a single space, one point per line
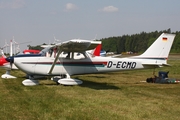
75 45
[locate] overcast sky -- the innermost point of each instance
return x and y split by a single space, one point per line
39 21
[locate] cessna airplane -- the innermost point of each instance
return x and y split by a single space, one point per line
55 65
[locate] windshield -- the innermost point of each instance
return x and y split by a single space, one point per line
45 50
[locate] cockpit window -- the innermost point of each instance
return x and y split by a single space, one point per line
49 51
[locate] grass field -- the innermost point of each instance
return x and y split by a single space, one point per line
110 96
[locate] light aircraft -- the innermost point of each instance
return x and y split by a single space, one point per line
55 65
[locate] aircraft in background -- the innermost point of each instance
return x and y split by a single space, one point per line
30 51
55 65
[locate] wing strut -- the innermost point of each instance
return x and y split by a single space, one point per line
55 60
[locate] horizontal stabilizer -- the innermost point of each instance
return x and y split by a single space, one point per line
155 64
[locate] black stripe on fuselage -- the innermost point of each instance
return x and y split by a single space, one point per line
28 55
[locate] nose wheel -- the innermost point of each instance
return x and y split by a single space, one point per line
7 75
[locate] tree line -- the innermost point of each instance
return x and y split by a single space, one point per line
137 43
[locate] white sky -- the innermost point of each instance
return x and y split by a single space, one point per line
40 20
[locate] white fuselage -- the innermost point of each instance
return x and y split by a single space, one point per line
41 65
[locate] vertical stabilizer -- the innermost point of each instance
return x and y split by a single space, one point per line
161 47
97 50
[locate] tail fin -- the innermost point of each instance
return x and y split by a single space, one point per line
161 47
97 50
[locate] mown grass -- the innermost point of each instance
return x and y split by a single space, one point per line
110 96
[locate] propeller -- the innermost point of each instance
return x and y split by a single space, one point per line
10 60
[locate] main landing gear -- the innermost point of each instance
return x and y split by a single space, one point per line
62 80
30 82
66 80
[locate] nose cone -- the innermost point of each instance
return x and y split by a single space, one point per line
10 59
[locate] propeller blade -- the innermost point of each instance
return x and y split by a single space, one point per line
10 60
11 64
